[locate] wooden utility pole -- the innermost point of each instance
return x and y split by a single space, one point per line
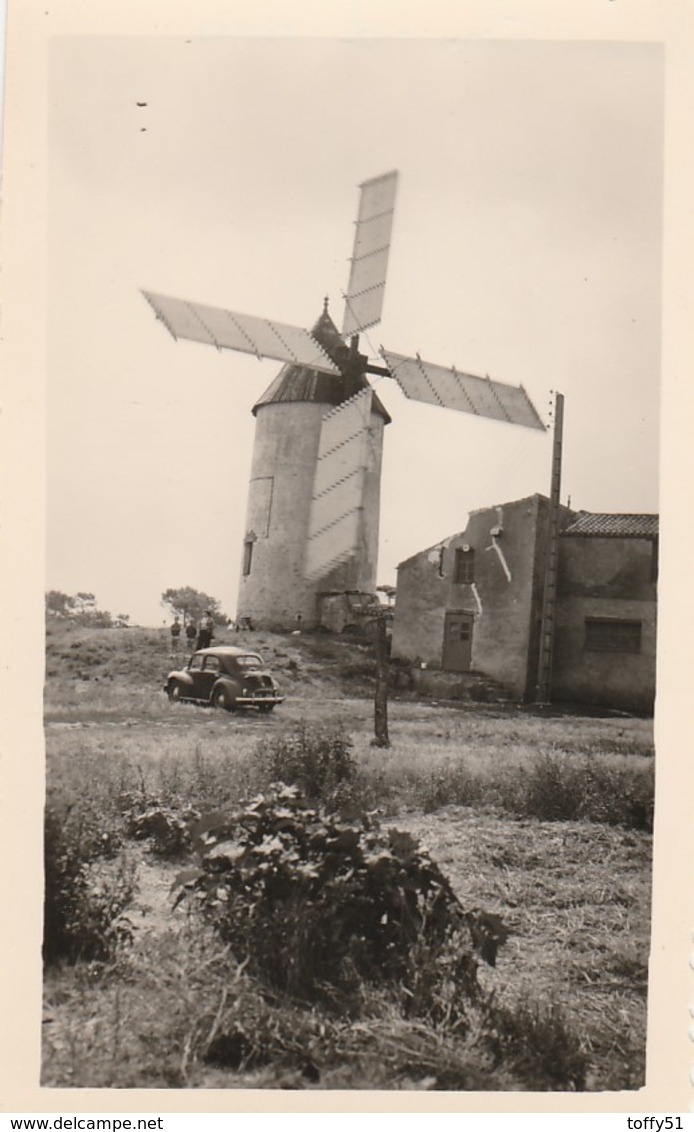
380 618
549 597
381 738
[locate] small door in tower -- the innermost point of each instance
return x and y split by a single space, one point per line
457 642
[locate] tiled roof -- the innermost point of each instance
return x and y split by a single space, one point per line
589 524
297 383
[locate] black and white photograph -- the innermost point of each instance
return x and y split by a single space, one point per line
351 562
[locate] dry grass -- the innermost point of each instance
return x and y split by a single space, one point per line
577 900
177 1011
578 944
214 1028
576 895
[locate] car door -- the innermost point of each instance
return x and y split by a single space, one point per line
211 668
195 672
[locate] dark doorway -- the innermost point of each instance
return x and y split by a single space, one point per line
457 642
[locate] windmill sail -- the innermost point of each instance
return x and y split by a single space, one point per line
450 389
326 538
367 279
338 491
230 330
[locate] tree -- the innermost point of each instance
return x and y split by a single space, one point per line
190 604
80 607
58 604
84 609
84 605
97 618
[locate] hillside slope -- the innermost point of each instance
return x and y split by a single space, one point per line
136 662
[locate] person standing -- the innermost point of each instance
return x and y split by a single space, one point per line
206 631
191 634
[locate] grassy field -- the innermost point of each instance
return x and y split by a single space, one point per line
541 818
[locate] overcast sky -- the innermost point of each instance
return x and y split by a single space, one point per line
526 246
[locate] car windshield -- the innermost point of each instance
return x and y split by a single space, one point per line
249 662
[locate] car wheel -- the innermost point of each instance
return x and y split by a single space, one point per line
265 709
222 699
175 693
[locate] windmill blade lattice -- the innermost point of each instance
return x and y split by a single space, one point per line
367 279
230 330
436 385
338 488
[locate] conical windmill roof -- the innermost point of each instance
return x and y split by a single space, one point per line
298 383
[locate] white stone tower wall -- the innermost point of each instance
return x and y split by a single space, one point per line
275 591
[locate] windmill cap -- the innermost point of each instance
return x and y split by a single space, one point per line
300 383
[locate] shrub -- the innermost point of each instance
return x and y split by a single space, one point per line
317 760
318 906
361 668
536 1041
447 785
181 1013
166 828
83 912
551 790
617 797
571 789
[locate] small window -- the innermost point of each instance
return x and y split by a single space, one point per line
464 570
212 664
247 556
196 663
612 635
458 629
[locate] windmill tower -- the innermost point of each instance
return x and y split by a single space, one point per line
284 568
314 494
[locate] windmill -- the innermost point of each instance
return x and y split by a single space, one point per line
314 495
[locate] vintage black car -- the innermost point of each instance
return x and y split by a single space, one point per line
225 677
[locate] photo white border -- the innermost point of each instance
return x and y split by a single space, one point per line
30 25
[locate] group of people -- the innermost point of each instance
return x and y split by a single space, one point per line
199 636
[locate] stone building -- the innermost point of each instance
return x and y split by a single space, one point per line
605 633
473 603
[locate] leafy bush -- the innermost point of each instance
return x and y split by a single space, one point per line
319 906
83 912
167 828
317 760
